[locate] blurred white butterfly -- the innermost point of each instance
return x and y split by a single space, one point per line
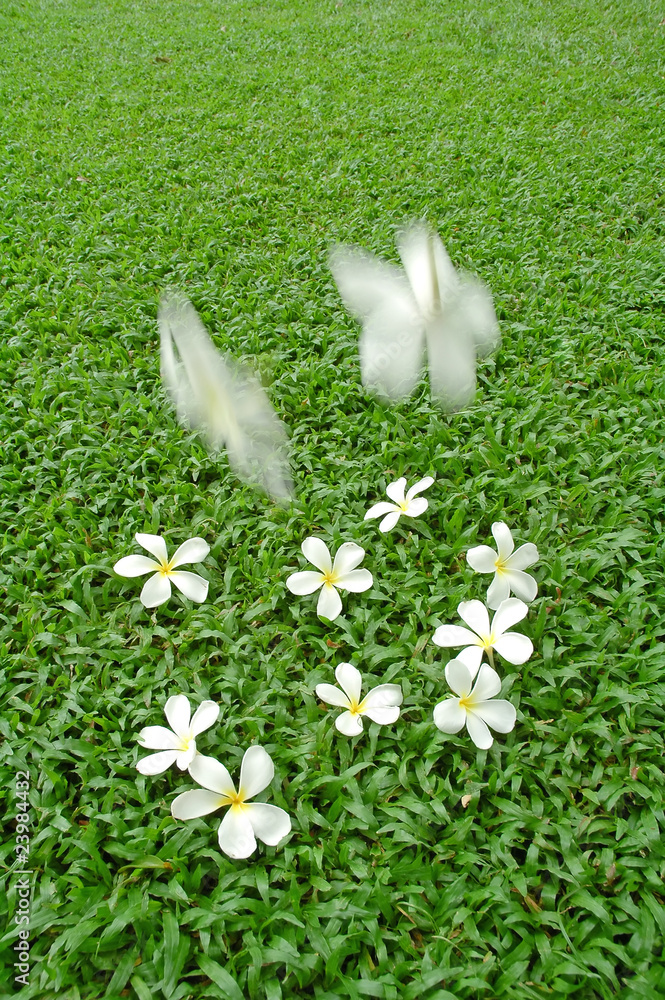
216 393
430 308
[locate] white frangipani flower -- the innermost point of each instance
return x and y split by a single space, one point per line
178 744
245 821
341 574
512 646
507 567
473 706
381 705
157 590
411 505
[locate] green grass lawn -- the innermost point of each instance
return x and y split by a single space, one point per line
223 148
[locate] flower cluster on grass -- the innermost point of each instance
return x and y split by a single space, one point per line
245 821
475 684
475 705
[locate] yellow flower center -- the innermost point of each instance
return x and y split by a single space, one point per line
236 801
500 565
466 702
356 707
404 506
165 568
329 578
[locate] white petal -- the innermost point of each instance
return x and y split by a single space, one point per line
236 836
155 544
522 585
508 614
135 566
478 731
329 604
458 676
383 696
194 550
422 484
178 714
497 714
191 585
482 559
270 823
158 738
357 580
196 803
185 757
383 715
454 635
523 557
449 717
349 724
156 763
332 695
474 614
416 507
390 520
256 772
350 681
498 591
379 509
503 539
210 774
488 684
155 591
204 717
316 552
471 657
304 583
396 490
514 647
348 556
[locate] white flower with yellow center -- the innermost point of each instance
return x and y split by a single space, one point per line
244 821
158 587
381 705
484 638
473 705
178 744
507 566
342 575
409 504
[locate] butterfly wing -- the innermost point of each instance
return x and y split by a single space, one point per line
459 312
452 360
479 317
221 397
464 329
428 267
392 339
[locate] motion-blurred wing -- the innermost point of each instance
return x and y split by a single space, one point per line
451 357
459 316
465 328
213 392
476 303
428 267
392 339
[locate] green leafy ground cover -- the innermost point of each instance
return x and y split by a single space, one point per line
223 148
